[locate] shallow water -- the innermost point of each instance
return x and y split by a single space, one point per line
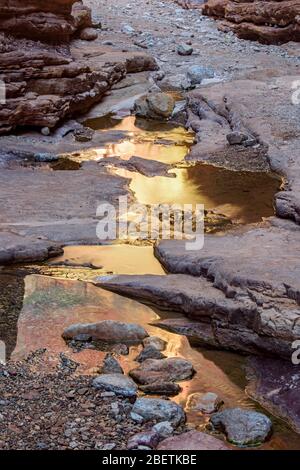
147 139
51 304
244 197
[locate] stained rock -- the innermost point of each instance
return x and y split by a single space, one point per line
270 22
159 410
243 427
155 342
275 384
117 383
146 438
109 331
149 352
161 388
192 440
162 370
205 402
111 366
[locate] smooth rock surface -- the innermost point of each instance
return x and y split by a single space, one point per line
192 440
159 410
109 331
243 427
171 369
205 402
117 383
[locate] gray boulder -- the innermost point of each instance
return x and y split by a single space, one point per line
197 73
111 365
160 410
117 383
243 427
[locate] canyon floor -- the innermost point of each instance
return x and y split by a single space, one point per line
240 294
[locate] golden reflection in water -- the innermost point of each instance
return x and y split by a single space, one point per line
119 259
147 139
51 304
244 197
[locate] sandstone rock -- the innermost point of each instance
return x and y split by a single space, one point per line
162 370
117 383
205 402
111 366
155 342
149 352
146 438
192 440
88 34
161 388
275 385
17 249
270 22
159 410
109 331
155 106
51 83
179 82
243 427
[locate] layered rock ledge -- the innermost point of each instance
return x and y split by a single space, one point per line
271 22
46 75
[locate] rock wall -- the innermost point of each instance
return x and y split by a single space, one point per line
270 22
45 77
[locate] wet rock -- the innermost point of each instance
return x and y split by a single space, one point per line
159 410
161 388
197 73
275 384
111 366
155 106
163 370
88 34
149 352
155 342
184 49
205 402
192 440
147 438
243 427
109 331
164 429
117 383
